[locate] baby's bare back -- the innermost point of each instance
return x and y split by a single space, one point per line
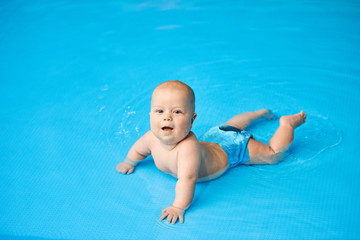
214 160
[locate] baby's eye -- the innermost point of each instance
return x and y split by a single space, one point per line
177 111
159 111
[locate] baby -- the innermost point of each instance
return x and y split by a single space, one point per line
176 150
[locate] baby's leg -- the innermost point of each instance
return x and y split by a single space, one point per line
261 153
243 120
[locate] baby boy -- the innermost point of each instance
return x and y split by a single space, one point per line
176 150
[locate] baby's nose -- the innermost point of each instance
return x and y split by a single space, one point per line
167 117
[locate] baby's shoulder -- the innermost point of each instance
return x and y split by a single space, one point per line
148 138
190 139
190 142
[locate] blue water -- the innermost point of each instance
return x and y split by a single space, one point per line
76 81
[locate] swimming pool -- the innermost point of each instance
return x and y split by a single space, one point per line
76 81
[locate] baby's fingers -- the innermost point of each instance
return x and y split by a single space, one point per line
174 219
170 218
130 170
124 168
163 216
181 219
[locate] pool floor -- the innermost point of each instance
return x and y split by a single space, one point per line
76 82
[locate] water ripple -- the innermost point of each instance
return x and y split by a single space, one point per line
314 138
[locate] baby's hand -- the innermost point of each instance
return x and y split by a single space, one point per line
173 213
125 168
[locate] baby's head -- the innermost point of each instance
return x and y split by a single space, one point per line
176 87
172 111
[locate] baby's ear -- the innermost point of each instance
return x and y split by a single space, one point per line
193 118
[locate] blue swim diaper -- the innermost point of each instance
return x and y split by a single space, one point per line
233 140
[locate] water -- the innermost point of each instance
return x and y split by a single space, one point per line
76 81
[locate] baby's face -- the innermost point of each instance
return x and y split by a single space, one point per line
171 115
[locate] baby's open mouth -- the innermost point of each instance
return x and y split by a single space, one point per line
167 128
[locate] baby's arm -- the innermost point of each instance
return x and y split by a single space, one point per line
187 172
139 151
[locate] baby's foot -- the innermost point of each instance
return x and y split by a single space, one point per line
267 114
293 121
